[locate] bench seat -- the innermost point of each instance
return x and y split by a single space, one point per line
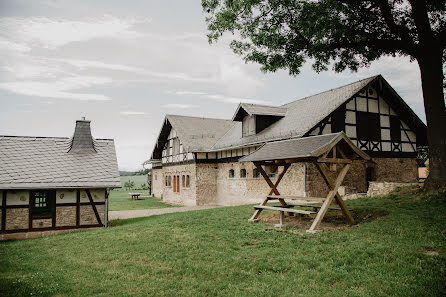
284 209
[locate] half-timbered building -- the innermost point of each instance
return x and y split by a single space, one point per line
196 160
52 184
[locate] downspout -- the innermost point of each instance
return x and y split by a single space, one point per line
305 179
106 209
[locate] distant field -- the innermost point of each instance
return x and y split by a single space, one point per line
137 179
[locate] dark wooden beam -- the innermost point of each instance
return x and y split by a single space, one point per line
334 161
98 218
50 228
30 210
78 207
4 210
53 222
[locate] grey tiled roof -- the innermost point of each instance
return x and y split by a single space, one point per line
199 134
301 116
257 109
305 147
43 162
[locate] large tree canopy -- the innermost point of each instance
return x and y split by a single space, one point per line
284 34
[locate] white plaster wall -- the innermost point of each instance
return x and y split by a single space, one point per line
17 197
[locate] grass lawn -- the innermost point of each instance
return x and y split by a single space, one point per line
217 252
121 200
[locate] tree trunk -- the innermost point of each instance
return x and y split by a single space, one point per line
431 69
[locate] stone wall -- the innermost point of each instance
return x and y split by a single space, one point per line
65 216
157 182
16 218
42 223
377 189
87 216
403 170
237 190
206 184
187 195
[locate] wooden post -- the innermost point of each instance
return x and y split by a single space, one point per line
338 197
272 186
78 208
4 211
320 215
53 222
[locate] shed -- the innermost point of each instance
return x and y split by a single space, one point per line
54 183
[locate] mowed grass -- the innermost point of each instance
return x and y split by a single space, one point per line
217 252
120 199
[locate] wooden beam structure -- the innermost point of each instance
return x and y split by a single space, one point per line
339 151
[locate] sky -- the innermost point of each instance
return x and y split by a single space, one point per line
124 65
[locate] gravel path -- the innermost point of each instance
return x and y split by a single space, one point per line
127 214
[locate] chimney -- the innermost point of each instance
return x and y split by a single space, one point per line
82 141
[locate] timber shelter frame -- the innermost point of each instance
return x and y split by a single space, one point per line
326 152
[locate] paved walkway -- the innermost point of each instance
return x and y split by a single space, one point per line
127 214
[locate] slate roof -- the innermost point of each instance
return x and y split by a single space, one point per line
197 134
302 115
44 163
305 147
257 109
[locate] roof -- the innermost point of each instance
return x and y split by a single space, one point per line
196 134
43 163
301 116
306 147
257 109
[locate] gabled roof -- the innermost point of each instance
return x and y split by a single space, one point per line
196 134
44 163
256 109
302 115
304 148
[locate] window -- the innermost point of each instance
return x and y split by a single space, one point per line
169 183
42 202
338 120
183 179
368 126
156 177
231 173
395 129
243 173
187 181
256 173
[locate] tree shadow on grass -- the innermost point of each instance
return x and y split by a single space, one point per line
335 221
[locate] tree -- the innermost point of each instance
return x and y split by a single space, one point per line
129 184
284 34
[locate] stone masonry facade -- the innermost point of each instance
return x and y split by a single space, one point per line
210 184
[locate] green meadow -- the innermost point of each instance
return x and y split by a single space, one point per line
397 248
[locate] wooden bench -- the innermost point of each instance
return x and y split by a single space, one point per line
312 206
135 195
283 209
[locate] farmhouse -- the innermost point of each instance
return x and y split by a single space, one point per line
49 184
196 161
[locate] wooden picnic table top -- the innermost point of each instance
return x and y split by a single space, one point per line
135 194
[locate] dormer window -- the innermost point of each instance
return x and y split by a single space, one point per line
249 125
255 118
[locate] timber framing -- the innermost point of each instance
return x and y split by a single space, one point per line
333 153
54 206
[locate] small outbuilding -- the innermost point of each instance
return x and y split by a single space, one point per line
50 185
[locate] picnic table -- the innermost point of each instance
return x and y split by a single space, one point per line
135 195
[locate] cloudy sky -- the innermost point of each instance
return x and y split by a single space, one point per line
124 65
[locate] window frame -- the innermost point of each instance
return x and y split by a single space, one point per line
46 212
